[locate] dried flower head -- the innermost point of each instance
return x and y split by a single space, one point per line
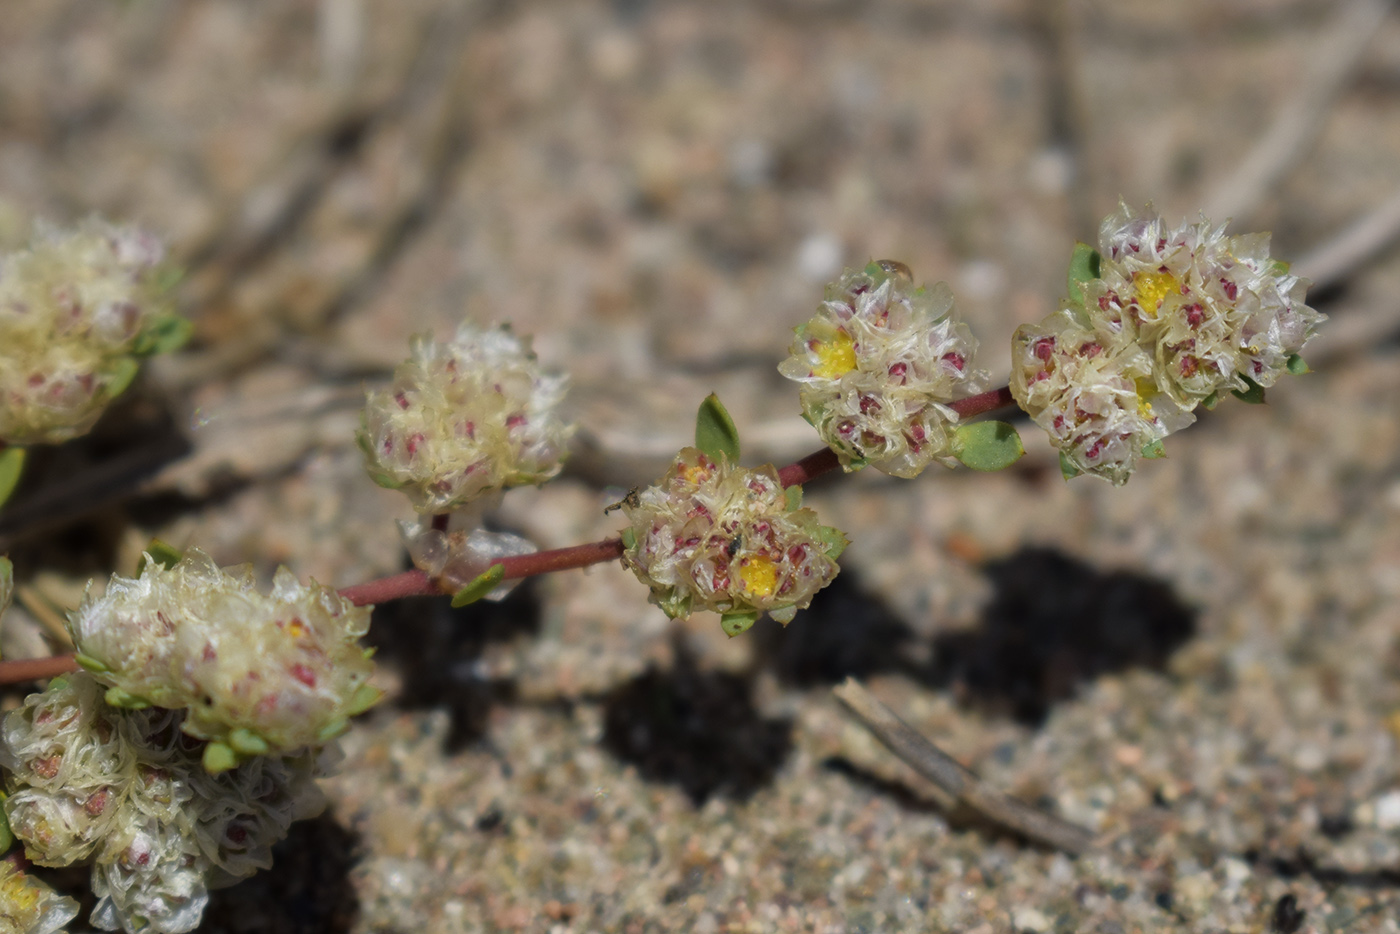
712 536
77 309
127 789
257 673
28 906
465 419
878 364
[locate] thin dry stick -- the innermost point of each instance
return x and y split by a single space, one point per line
1330 262
955 780
1297 125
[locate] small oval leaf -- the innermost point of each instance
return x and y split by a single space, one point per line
219 757
163 554
1254 394
735 624
1083 267
987 445
1067 468
484 584
1154 450
1297 365
11 466
715 433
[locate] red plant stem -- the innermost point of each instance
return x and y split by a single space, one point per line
418 583
813 465
35 669
983 402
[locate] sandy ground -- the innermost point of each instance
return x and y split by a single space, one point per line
1203 667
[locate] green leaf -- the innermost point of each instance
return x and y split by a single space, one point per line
987 445
675 604
119 697
7 581
1211 401
1067 468
219 757
164 334
91 664
1297 365
715 433
11 465
629 539
7 837
365 697
163 554
1083 267
833 540
485 583
1254 394
793 497
121 376
246 742
734 624
1154 450
332 729
1280 268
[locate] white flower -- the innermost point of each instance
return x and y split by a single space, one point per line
878 364
1091 389
256 672
128 790
465 419
76 311
28 906
712 536
1213 311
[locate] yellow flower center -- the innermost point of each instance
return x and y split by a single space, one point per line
1149 288
759 575
836 357
1145 387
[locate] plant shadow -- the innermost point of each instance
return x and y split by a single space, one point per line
438 649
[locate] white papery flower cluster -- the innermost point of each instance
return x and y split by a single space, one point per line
76 311
712 536
28 906
878 364
127 791
1175 317
465 419
257 673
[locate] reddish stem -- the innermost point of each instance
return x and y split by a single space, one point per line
561 559
417 583
36 669
396 587
983 402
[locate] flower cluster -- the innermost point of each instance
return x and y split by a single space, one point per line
256 673
28 906
1171 318
878 364
76 311
712 536
126 790
465 419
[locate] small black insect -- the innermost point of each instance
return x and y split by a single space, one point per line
1288 917
735 545
631 500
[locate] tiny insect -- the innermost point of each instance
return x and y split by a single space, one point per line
895 268
631 500
735 545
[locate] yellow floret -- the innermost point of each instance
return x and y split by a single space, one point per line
1149 288
759 575
836 357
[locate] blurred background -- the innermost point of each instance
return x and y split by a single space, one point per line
1201 665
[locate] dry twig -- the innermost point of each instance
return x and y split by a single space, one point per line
1297 124
957 782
